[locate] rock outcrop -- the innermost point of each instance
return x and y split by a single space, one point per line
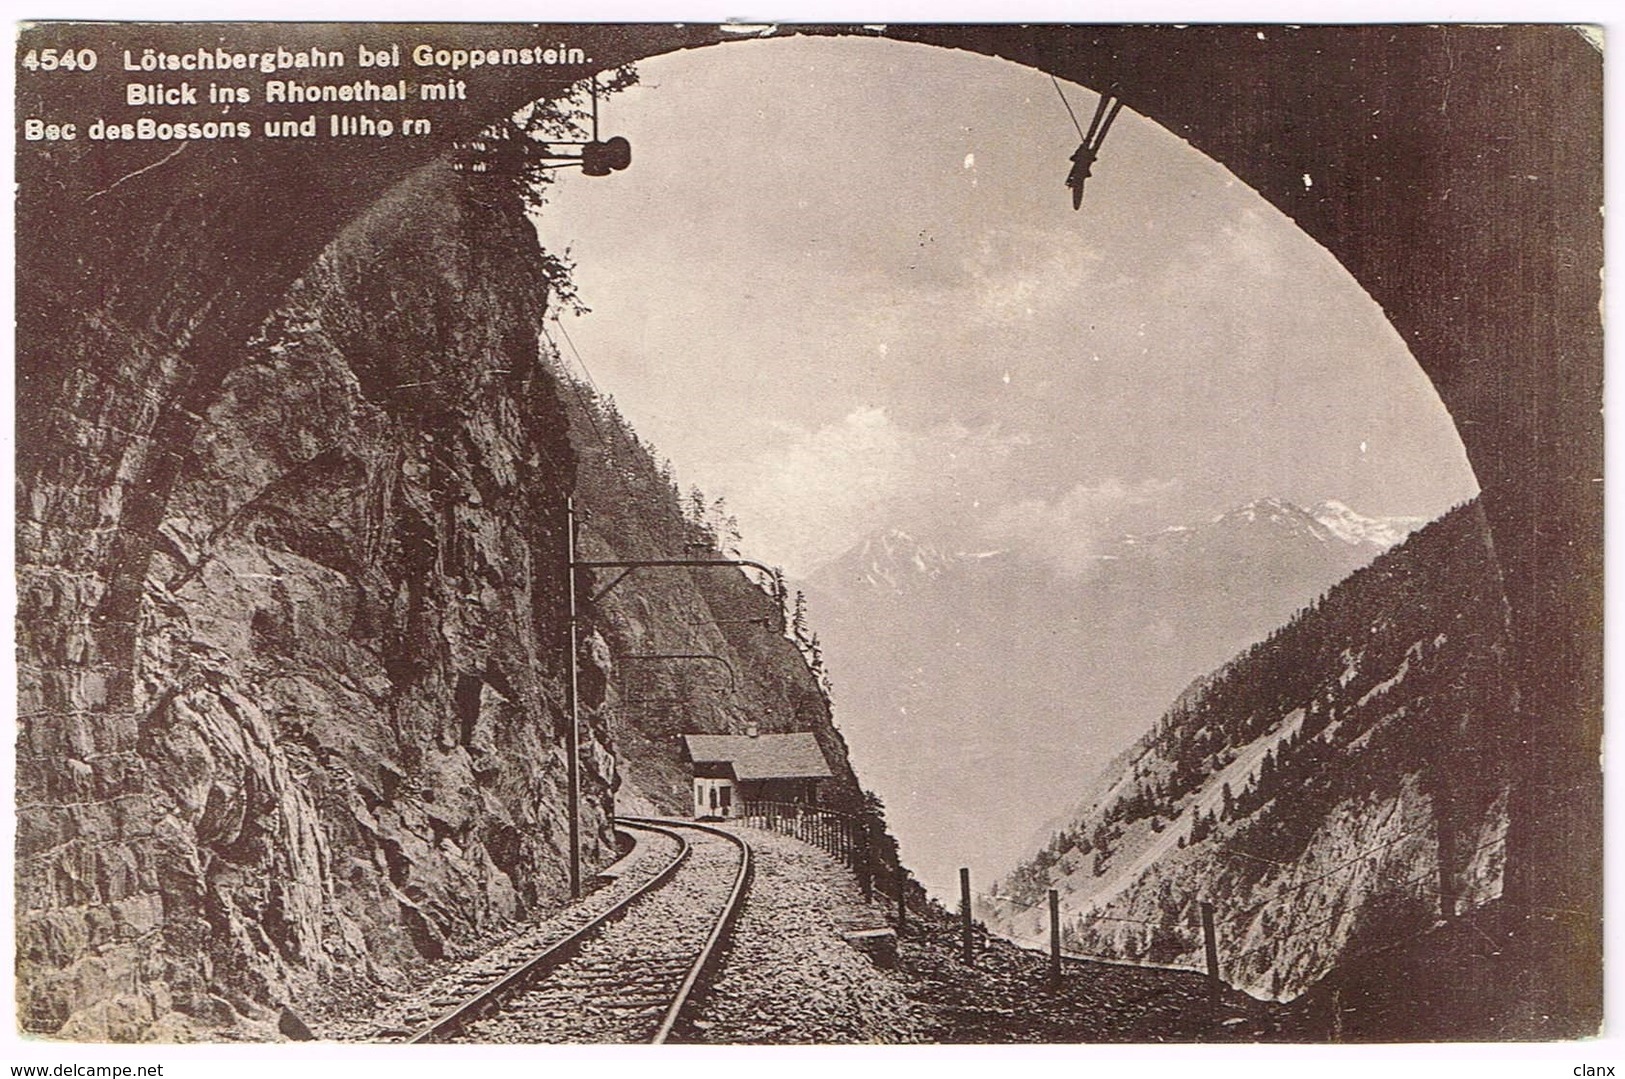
344 740
291 638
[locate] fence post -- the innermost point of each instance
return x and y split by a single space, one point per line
1210 939
1446 835
866 865
969 954
1054 937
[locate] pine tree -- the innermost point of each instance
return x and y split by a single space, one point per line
780 593
798 620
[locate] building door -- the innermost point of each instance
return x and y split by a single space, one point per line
727 800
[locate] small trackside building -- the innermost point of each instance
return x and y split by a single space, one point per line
731 769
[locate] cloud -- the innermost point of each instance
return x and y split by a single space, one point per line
1016 274
991 281
1247 245
1068 531
817 491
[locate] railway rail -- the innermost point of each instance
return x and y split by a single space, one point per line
633 972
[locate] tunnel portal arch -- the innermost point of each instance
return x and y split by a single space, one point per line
1455 172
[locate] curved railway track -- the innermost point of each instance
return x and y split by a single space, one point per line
631 973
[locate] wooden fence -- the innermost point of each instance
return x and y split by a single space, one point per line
842 835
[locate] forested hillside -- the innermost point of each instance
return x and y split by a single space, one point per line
680 650
1336 787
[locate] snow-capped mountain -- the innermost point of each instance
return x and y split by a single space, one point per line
1357 529
1275 520
892 561
1272 511
1263 521
969 679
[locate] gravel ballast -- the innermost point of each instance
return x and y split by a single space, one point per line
394 1015
617 988
790 977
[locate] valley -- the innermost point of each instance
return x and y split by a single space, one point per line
976 687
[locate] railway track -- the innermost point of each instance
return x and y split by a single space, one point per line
629 974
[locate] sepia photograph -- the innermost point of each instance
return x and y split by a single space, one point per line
766 534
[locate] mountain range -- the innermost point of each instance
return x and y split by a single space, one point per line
978 687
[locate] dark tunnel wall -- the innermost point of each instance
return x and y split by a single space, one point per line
1456 173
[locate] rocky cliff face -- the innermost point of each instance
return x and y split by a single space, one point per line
290 638
344 744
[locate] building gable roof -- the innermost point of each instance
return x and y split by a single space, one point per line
766 756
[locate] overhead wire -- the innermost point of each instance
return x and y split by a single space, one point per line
586 406
559 322
1068 105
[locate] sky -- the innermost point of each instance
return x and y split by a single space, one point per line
842 286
